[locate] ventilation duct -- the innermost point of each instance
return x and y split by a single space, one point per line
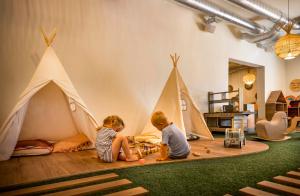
257 34
274 32
297 23
263 9
268 44
213 9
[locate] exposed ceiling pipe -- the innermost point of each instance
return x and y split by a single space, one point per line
213 9
263 36
263 9
268 44
297 22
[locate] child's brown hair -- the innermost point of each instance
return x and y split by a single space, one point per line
113 121
159 118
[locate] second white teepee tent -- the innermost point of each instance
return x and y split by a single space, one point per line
177 104
49 108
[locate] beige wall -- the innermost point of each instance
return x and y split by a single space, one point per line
292 72
236 80
116 52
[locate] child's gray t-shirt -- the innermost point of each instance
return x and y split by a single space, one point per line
176 141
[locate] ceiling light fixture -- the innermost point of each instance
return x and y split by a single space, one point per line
249 78
288 46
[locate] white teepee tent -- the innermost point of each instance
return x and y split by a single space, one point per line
179 107
49 108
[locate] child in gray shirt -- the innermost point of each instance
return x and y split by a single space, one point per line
172 138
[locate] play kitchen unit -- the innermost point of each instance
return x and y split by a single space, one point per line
226 110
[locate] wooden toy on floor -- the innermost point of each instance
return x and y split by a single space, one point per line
142 149
234 137
147 149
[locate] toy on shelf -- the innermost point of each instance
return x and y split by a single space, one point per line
290 98
234 137
294 108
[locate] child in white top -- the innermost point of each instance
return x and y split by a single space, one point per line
109 142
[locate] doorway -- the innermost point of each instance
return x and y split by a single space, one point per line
254 93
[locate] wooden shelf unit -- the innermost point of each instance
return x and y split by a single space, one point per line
219 121
276 102
225 98
294 109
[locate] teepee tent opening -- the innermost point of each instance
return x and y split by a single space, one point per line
179 107
49 108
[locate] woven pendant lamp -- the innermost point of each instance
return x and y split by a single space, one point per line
249 78
288 46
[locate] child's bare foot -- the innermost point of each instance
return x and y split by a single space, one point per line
132 158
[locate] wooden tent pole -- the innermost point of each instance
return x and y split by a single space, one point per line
48 39
175 59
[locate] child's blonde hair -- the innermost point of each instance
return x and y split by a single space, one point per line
113 121
159 118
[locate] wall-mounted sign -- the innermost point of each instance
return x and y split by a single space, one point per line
295 85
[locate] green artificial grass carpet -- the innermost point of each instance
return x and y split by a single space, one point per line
218 176
209 177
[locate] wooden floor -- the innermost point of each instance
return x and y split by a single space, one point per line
37 168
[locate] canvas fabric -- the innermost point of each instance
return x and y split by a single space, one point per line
189 120
49 70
